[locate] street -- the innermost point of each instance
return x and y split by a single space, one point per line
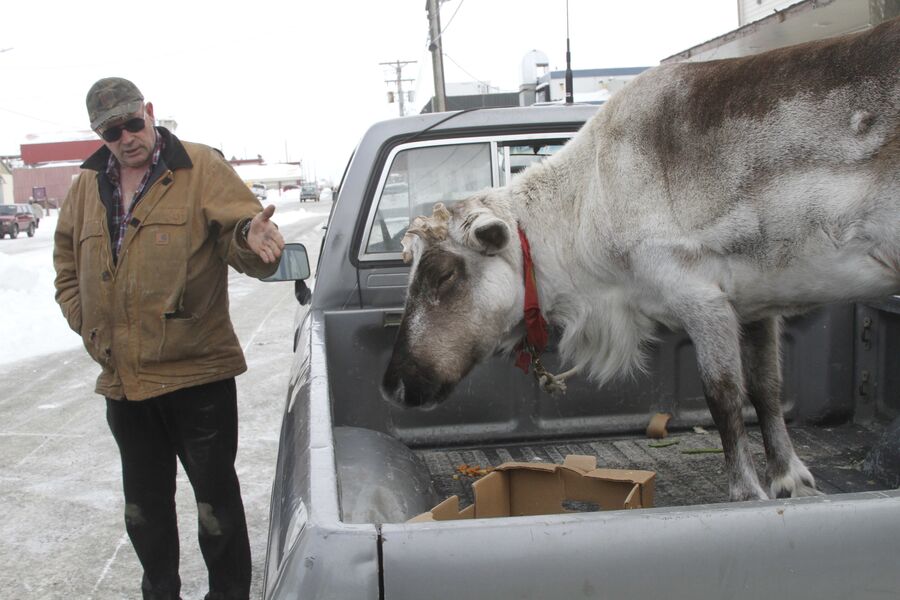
62 521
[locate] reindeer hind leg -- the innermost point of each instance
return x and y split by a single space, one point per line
786 474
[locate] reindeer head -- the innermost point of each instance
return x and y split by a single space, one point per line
464 297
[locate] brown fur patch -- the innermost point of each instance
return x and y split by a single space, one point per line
752 86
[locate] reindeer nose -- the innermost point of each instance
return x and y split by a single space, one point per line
393 392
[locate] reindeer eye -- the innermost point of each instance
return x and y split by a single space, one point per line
447 278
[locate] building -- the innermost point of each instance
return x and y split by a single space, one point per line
489 100
59 147
50 163
770 24
274 176
45 184
6 183
588 85
540 85
235 161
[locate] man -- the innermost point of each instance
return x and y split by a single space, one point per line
142 249
37 211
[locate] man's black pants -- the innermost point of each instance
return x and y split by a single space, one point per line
199 426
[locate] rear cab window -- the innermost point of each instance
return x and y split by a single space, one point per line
420 174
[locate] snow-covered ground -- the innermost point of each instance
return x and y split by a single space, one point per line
31 323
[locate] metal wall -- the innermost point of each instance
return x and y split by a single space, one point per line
497 402
877 368
56 179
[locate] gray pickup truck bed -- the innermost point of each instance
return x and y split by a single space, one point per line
686 472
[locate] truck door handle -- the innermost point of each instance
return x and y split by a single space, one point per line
392 319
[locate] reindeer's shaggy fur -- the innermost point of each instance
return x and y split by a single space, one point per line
712 197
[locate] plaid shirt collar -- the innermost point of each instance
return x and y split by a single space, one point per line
121 218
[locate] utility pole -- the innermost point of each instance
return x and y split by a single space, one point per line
437 54
398 81
570 95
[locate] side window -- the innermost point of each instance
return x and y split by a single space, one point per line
515 156
420 177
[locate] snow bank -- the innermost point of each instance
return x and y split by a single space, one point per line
30 319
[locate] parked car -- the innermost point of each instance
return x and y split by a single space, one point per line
259 190
15 218
353 470
309 191
290 193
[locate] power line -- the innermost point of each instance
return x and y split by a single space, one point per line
487 84
453 16
15 112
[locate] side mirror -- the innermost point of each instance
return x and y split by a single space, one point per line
294 266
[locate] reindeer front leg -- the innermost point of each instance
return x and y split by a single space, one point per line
712 325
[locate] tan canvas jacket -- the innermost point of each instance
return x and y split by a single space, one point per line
158 320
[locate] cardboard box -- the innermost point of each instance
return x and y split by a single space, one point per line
516 489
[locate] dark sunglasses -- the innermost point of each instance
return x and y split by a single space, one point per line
112 134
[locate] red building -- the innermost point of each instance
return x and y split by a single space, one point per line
46 184
57 151
51 163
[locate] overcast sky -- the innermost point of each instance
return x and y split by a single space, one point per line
301 80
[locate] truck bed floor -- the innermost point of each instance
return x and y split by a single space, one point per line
686 472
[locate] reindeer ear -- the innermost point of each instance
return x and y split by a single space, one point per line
407 243
482 230
417 231
493 236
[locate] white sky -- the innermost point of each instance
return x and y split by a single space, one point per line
300 80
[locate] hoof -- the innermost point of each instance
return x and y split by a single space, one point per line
798 482
744 494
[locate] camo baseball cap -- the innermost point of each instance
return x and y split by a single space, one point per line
110 98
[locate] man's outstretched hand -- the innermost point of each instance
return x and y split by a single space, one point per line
264 238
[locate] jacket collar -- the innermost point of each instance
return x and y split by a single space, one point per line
174 154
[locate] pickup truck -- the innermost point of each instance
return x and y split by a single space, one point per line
309 191
353 470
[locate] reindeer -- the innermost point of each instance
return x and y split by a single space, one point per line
711 197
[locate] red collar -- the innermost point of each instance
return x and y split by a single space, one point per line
536 335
